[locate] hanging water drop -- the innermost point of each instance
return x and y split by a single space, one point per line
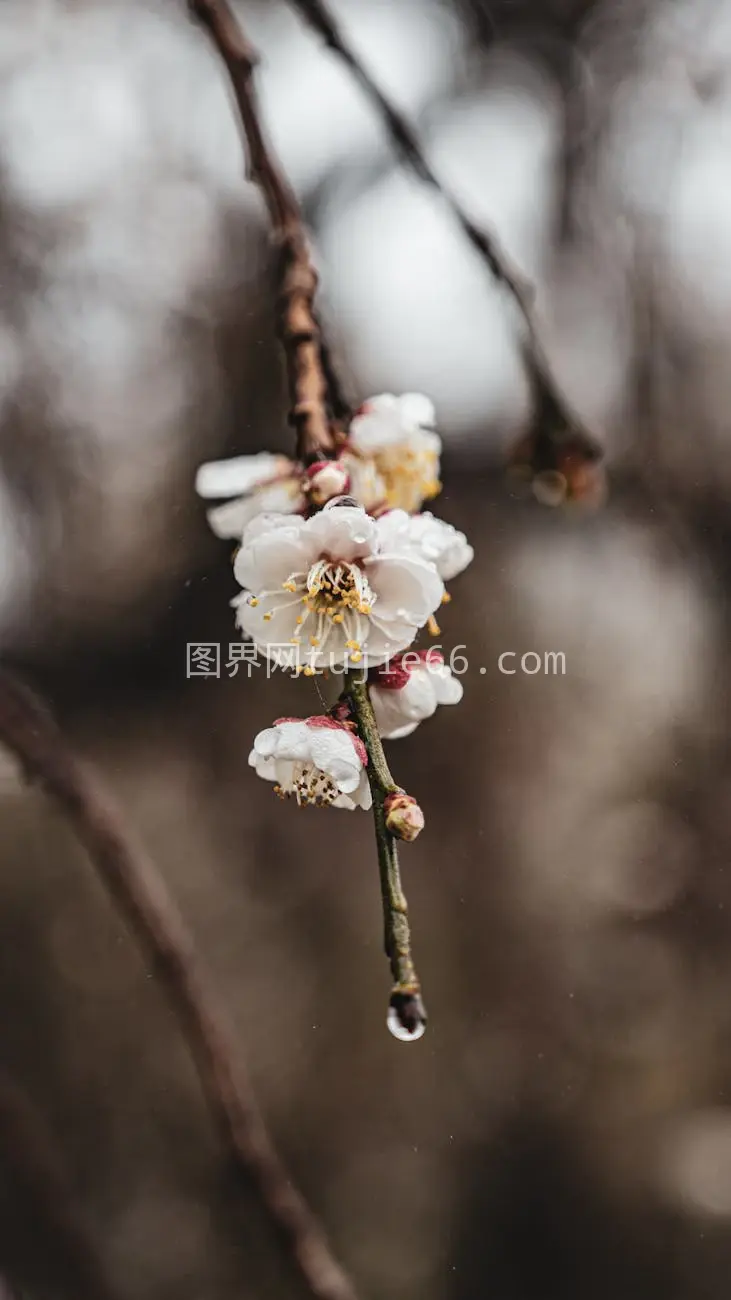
406 1018
400 1031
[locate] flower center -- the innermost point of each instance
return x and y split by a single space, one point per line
334 587
308 785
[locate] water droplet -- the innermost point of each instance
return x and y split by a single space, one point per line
406 1018
399 1031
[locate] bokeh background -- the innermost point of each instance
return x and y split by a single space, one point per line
564 1128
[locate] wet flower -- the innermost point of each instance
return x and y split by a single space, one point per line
409 688
264 482
394 451
441 544
337 589
315 760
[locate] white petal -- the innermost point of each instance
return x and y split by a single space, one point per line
388 638
441 544
273 521
406 588
267 560
285 740
235 477
418 699
395 531
229 521
273 636
401 732
343 533
448 689
359 798
389 716
333 752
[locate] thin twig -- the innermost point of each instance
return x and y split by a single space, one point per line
141 895
552 409
406 993
298 325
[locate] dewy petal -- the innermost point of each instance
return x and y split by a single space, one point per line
315 759
342 533
239 475
394 531
334 752
440 543
286 740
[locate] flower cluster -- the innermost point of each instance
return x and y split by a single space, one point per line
339 561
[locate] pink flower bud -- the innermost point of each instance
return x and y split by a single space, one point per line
404 818
326 479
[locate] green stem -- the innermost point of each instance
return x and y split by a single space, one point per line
406 993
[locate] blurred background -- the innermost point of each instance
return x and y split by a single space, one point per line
564 1128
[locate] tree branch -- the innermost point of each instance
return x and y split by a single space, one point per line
45 1245
307 369
141 895
406 999
554 419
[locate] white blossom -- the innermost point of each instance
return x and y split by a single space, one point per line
441 544
264 482
408 689
317 760
338 588
396 439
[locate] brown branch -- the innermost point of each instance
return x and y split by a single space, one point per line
45 1246
141 895
552 412
299 330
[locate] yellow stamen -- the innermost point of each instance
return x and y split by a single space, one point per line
299 619
308 672
289 586
295 640
446 598
337 618
352 645
356 657
268 616
433 627
254 601
314 641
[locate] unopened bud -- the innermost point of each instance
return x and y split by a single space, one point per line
326 479
404 818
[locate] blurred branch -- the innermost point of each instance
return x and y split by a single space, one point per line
141 895
553 414
309 372
44 1245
